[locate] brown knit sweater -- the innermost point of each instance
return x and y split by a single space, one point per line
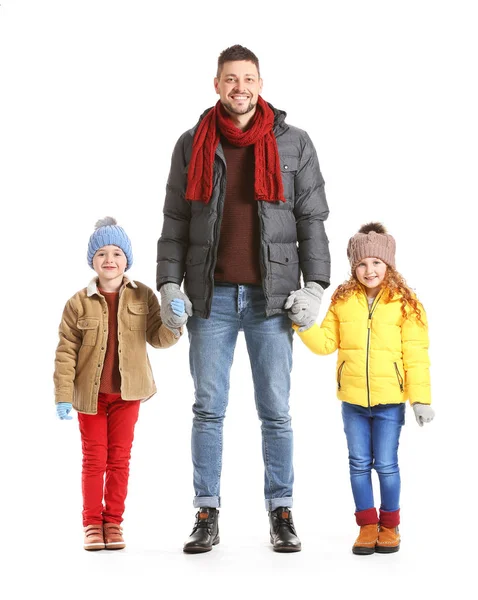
239 242
110 376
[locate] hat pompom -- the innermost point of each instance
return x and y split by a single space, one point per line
104 222
376 227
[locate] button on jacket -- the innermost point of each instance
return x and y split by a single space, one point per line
383 356
292 233
83 335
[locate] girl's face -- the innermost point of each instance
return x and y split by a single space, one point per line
371 272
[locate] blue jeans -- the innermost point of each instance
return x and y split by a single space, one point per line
269 344
372 439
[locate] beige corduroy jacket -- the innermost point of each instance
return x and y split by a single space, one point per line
83 335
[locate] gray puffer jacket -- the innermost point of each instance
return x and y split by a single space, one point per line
293 237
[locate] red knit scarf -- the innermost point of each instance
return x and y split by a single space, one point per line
267 180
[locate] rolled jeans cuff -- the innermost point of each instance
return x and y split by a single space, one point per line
273 503
207 502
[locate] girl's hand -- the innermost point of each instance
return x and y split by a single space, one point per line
424 413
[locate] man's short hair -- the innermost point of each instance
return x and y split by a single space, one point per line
236 52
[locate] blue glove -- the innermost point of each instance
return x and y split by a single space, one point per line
63 410
178 306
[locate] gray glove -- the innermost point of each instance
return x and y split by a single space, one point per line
170 292
424 413
304 305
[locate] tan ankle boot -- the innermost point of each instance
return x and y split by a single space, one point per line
388 540
367 538
113 536
94 539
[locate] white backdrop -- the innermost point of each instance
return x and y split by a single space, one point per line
93 96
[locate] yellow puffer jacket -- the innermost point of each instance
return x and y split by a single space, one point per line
383 357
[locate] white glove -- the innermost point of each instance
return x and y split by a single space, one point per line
304 305
424 413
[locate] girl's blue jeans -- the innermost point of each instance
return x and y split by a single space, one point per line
372 438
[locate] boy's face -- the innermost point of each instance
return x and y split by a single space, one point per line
109 263
371 272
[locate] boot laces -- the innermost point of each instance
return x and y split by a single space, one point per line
286 521
202 523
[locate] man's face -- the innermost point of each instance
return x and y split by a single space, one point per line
238 86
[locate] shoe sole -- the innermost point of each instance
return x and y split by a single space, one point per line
387 549
93 547
115 546
286 549
362 550
201 549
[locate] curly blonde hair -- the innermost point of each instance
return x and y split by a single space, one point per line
393 283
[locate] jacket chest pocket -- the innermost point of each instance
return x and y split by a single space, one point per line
288 167
89 329
138 316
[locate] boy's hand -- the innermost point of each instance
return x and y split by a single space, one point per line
424 413
304 305
63 411
177 306
171 299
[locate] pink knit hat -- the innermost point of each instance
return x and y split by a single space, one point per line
372 240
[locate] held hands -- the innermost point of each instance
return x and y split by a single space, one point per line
63 411
175 306
424 413
304 305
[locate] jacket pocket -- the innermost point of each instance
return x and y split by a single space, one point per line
339 375
284 268
138 316
89 329
399 377
196 255
196 270
288 167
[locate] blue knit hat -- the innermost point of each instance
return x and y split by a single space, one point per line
106 233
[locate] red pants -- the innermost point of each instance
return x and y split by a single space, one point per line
106 440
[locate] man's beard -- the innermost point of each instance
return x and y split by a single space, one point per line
243 111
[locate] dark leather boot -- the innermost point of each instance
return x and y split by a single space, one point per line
283 535
205 533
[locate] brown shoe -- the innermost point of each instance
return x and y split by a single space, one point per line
94 539
113 536
388 540
367 538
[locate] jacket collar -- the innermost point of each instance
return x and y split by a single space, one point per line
92 288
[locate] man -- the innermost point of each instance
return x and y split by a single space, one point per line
240 243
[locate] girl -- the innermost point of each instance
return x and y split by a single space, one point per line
102 370
380 330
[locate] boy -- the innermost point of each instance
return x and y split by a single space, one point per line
102 370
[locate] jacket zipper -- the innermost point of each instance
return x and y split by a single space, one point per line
369 328
262 262
339 375
399 377
217 224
